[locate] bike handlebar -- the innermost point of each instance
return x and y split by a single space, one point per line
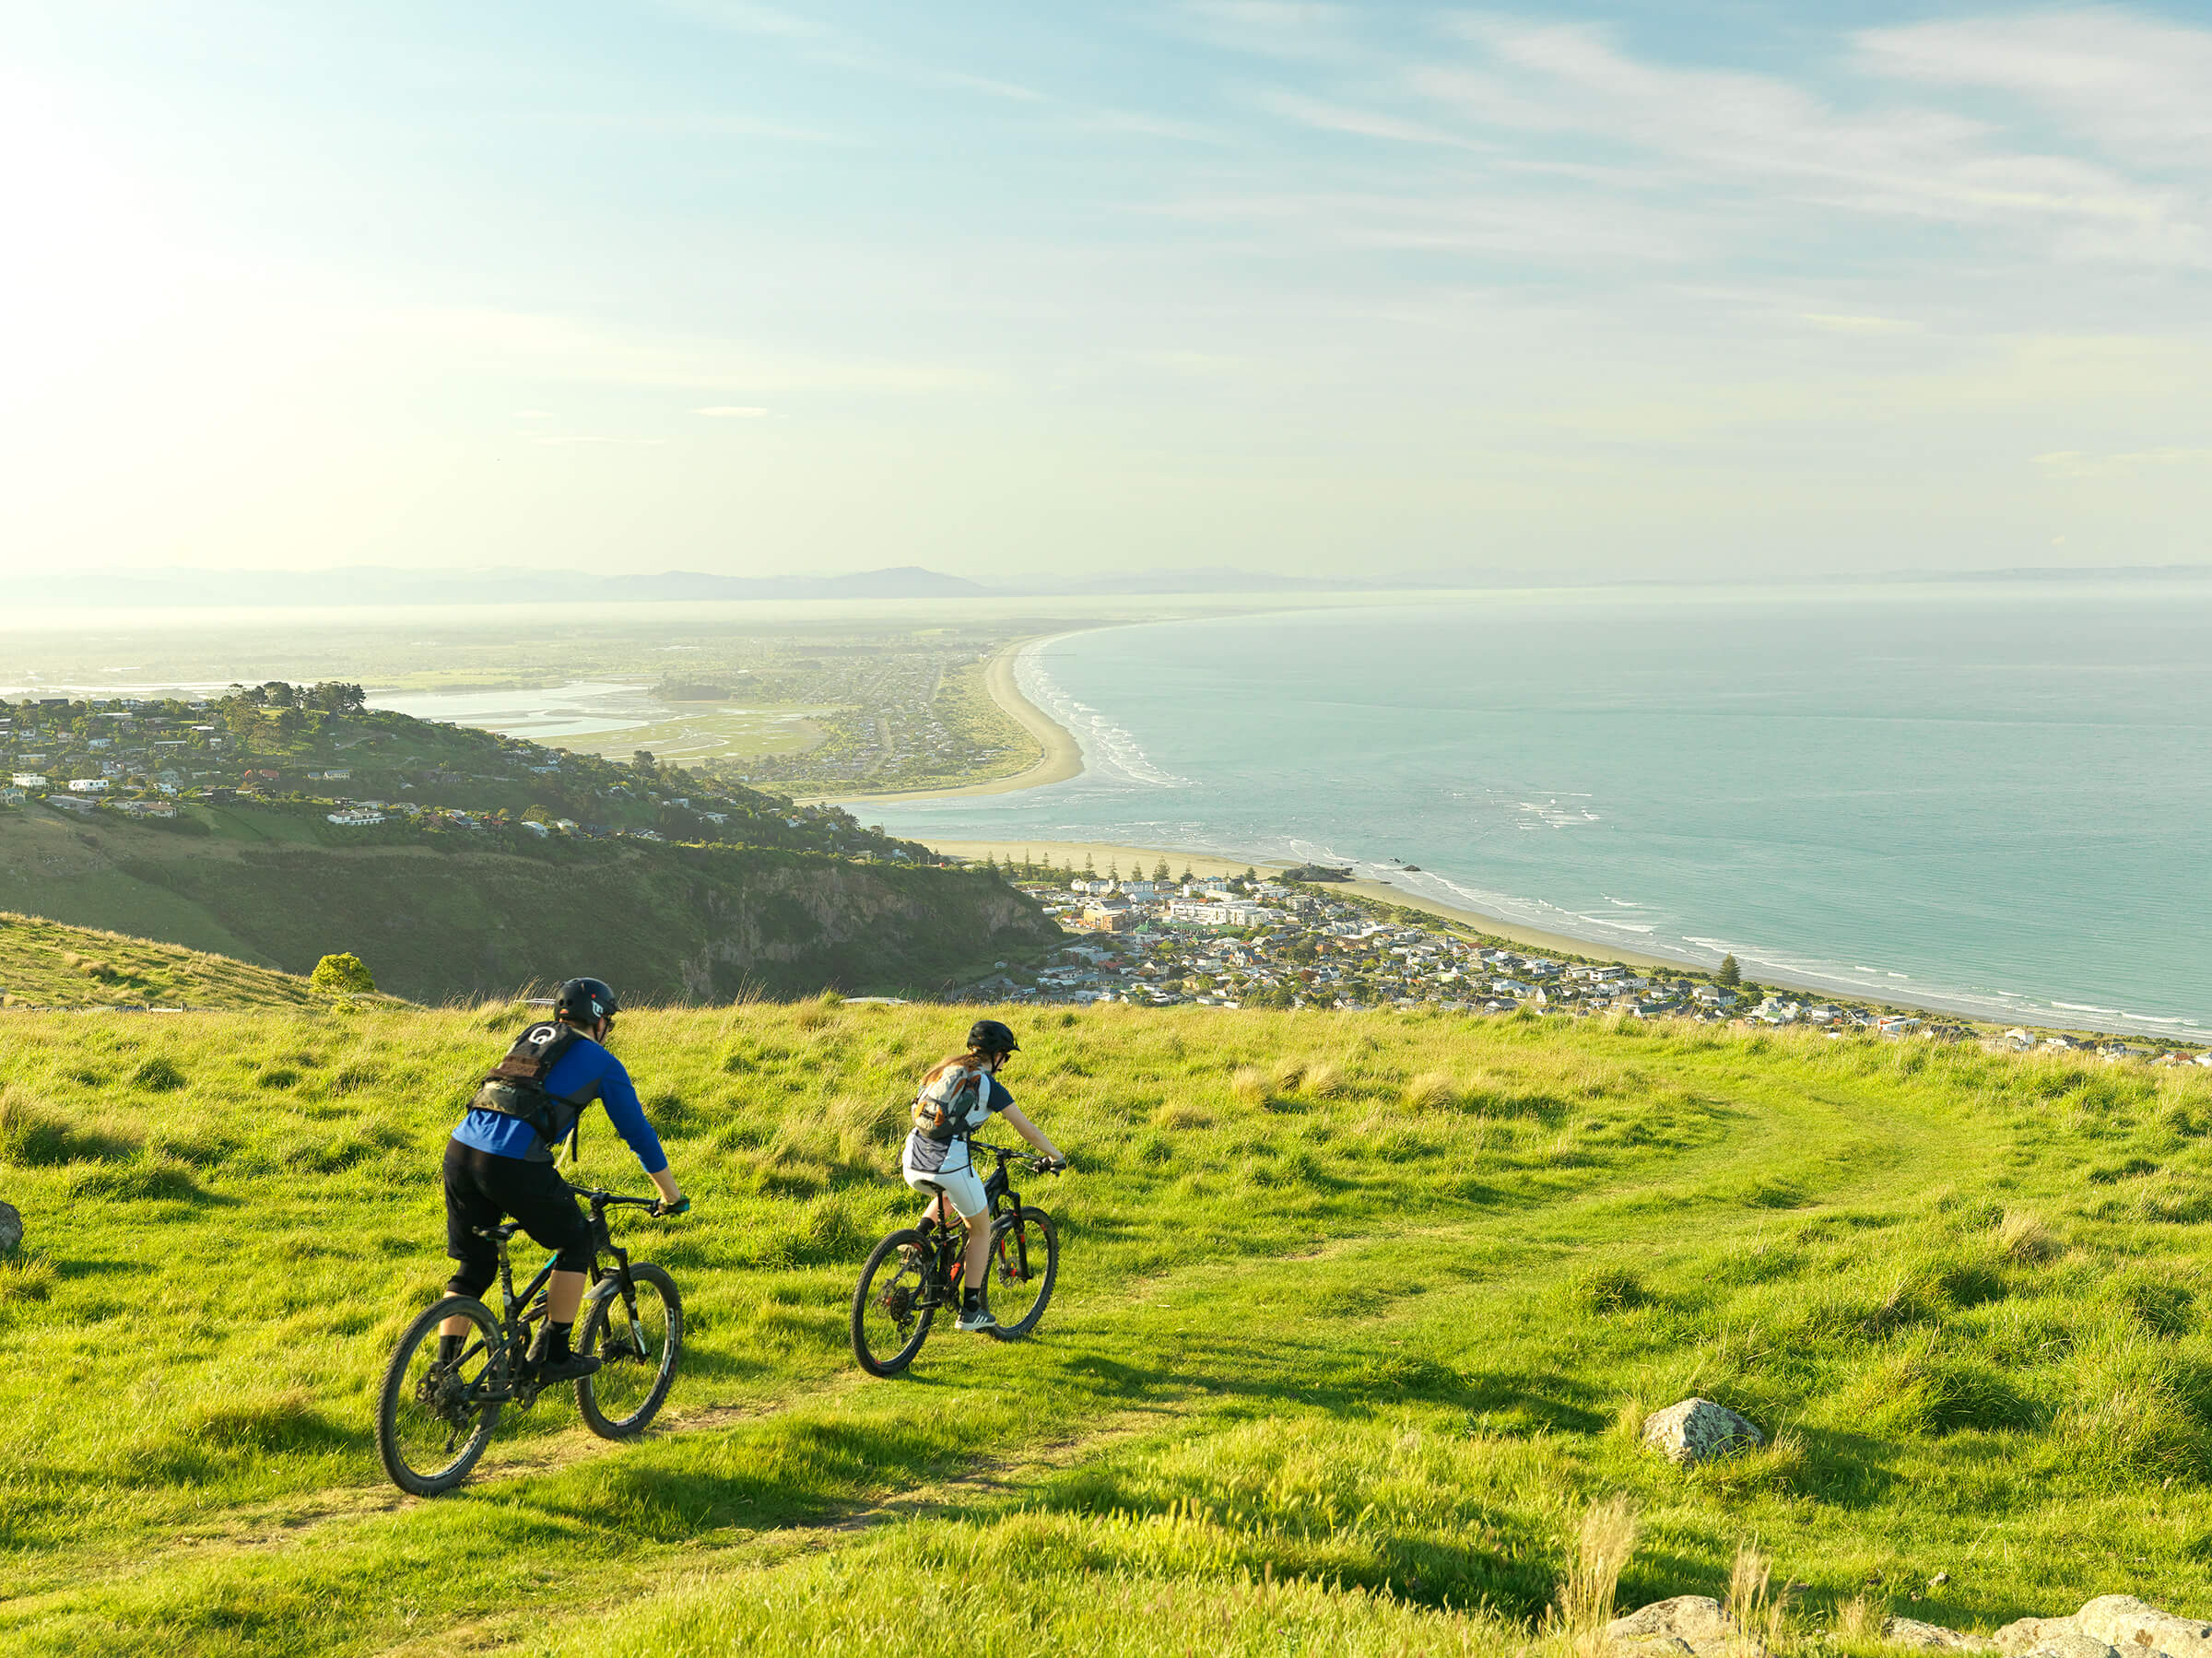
602 1200
1035 1159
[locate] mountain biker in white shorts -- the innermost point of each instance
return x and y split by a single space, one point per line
955 1099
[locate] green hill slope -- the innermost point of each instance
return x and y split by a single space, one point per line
1356 1315
455 919
46 964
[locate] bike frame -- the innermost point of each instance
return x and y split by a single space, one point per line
948 1253
519 1311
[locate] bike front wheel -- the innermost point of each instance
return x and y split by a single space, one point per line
434 1420
890 1319
1025 1261
637 1353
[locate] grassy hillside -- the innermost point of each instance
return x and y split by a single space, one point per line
1357 1314
46 964
437 921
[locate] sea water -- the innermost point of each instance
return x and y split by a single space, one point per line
1995 797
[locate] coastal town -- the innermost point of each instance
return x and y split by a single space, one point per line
1253 941
1285 940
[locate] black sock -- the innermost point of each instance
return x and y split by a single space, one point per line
448 1347
928 1226
557 1340
970 1300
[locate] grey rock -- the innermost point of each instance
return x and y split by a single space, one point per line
2134 1626
1697 1431
1689 1623
2019 1639
1915 1636
2075 1645
11 1228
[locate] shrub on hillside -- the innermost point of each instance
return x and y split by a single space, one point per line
342 976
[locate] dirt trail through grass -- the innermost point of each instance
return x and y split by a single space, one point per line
1350 1326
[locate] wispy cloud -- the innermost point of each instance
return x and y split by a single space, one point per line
1834 323
2076 464
841 48
2121 80
1277 29
732 411
1324 116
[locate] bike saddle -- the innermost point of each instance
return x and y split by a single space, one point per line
499 1233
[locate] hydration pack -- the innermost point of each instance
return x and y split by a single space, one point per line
946 1108
516 1088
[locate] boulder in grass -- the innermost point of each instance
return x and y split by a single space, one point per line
1691 1624
11 1228
2134 1626
1697 1431
2075 1645
2017 1639
1917 1637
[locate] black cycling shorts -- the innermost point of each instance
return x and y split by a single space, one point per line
482 1190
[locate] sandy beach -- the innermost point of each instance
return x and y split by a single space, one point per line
1062 755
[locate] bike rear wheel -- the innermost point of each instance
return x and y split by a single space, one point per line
637 1356
1024 1262
434 1420
889 1323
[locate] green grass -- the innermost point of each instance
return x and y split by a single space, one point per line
1357 1317
47 964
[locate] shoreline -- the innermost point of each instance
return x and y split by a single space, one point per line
1063 757
1103 853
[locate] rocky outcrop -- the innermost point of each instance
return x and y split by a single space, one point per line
1690 1623
1917 1637
1697 1431
11 1228
2122 1621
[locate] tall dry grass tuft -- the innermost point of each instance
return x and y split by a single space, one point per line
1323 1082
1859 1619
1432 1091
1288 1075
1602 1546
1757 1617
2025 1238
1250 1084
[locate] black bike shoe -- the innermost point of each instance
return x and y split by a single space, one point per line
976 1318
574 1368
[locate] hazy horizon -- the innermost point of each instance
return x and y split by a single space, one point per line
1598 293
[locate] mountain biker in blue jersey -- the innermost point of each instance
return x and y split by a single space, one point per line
957 1097
500 1163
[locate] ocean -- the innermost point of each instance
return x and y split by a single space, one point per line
1994 797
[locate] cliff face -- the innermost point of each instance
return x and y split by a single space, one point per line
668 923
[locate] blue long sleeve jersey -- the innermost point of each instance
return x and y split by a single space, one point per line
586 1071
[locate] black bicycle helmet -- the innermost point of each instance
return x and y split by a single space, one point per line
989 1036
586 1001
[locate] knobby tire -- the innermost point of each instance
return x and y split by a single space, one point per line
878 1280
621 1399
1001 1287
429 1445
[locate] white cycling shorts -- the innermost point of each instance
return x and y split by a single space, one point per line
962 1184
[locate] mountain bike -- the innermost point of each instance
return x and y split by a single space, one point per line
434 1420
912 1274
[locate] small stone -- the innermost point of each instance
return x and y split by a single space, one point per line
1697 1431
1689 1623
11 1228
1939 1580
2028 1633
2072 1644
1911 1633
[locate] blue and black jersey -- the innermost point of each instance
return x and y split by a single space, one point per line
585 1072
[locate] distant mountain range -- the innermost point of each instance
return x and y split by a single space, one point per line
375 585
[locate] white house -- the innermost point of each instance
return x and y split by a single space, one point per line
87 785
28 780
355 817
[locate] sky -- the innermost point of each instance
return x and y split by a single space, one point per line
1689 289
